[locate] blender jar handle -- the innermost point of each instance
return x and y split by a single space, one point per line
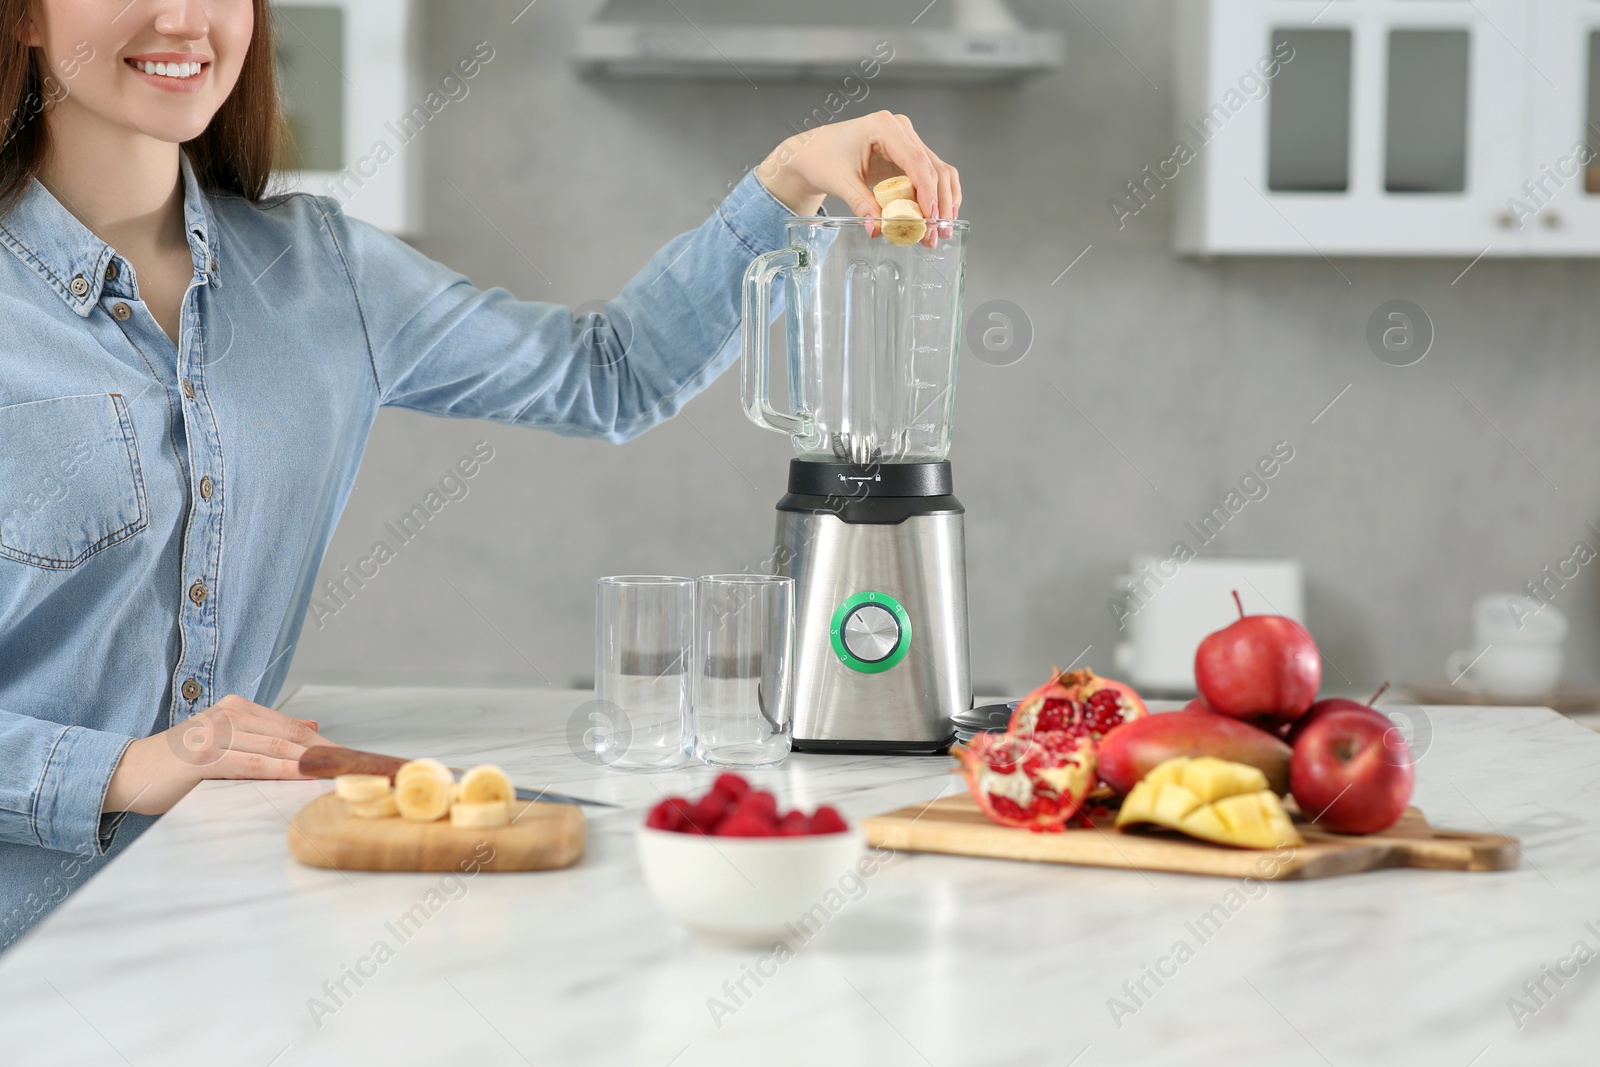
757 309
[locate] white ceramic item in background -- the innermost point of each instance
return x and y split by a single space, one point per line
744 890
1165 609
1519 648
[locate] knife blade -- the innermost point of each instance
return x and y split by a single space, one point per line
330 761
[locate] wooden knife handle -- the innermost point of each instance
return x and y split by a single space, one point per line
330 761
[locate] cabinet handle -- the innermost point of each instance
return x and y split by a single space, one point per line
1506 220
1552 220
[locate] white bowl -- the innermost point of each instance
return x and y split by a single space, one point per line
750 890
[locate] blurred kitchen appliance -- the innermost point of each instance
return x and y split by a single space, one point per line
1166 608
870 529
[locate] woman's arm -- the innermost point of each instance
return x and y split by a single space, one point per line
233 738
438 344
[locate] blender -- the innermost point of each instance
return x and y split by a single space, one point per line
869 530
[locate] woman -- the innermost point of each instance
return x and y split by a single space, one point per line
188 373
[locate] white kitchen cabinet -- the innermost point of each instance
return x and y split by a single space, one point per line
353 105
1559 207
1389 127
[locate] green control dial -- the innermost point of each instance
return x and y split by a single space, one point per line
871 632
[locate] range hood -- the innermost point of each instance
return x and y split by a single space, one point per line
762 41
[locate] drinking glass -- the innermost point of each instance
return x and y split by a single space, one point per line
644 638
744 654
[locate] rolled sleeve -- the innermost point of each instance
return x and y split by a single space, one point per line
442 346
55 783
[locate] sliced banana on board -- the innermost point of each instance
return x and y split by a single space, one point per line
422 790
427 764
358 788
485 815
382 808
485 783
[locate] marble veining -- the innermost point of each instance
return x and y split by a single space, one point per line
206 944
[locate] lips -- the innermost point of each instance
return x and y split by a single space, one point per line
172 72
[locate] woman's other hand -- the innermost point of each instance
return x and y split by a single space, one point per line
846 159
234 738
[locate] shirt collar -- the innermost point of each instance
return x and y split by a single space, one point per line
41 232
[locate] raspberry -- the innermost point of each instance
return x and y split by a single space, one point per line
742 825
730 785
709 812
827 820
672 813
758 803
794 824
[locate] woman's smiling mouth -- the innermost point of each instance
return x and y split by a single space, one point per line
170 70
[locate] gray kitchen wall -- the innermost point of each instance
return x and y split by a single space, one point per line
1421 488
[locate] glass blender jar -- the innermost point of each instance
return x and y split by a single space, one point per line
870 530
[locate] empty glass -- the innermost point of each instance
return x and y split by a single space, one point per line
744 652
644 637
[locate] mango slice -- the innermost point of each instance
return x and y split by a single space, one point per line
1213 800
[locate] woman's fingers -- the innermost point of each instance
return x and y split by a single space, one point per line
258 765
905 148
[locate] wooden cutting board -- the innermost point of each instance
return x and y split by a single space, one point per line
539 837
956 826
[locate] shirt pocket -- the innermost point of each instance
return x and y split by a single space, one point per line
70 483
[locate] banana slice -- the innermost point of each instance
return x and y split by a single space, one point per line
432 766
889 190
423 795
382 808
903 223
481 816
485 783
360 788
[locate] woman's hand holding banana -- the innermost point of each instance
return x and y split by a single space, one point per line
848 159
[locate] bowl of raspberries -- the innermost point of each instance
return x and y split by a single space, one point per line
733 866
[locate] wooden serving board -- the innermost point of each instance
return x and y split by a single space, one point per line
956 826
539 837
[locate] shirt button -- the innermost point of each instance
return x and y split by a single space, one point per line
188 390
111 271
191 690
121 311
205 488
79 285
197 593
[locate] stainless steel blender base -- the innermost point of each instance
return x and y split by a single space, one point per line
897 592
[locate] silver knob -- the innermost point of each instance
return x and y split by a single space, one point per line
871 633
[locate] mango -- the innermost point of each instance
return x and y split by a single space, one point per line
1213 800
1130 751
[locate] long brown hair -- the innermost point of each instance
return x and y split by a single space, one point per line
234 154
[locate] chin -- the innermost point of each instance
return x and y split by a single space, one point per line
175 130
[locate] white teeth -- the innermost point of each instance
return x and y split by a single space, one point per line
170 70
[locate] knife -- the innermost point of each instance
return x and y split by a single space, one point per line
330 761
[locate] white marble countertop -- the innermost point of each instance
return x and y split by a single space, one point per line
206 944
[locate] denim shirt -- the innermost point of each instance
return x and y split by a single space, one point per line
164 508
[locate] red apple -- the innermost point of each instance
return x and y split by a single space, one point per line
1132 750
1351 771
1263 668
1292 731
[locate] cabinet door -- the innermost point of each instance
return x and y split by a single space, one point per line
1391 126
352 107
1555 202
